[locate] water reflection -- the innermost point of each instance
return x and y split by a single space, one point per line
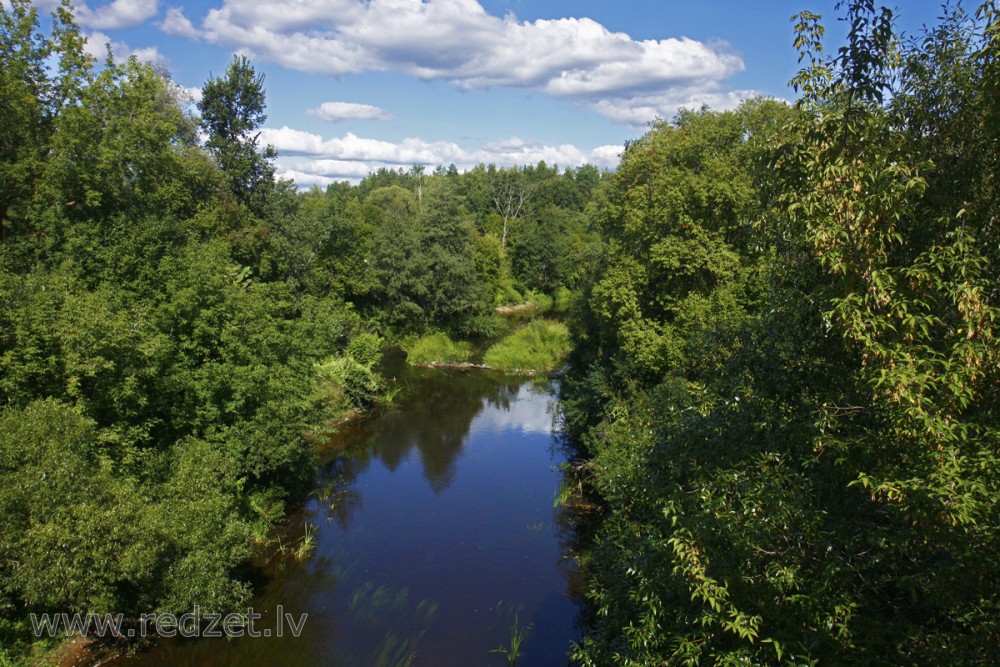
433 419
435 529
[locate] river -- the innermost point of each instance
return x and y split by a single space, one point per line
434 534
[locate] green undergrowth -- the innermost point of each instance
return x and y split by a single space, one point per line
539 347
562 299
435 347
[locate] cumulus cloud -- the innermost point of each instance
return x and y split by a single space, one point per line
459 42
332 169
116 14
319 161
176 24
335 112
194 93
352 147
187 96
641 109
96 46
606 156
516 151
306 180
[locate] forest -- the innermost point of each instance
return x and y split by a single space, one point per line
783 395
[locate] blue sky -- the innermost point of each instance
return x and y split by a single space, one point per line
358 84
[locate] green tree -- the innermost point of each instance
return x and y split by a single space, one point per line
809 477
159 343
24 87
429 269
232 109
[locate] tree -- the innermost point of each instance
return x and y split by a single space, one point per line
32 94
24 89
510 193
232 109
797 400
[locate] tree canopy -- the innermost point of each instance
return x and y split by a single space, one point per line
785 387
786 382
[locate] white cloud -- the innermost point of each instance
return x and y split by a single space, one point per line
335 112
116 15
459 42
193 92
306 180
351 157
639 110
353 147
516 152
146 54
96 45
184 94
606 156
336 169
527 412
176 24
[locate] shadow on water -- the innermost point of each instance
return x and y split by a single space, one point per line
434 530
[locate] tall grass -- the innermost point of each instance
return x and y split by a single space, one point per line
538 347
435 347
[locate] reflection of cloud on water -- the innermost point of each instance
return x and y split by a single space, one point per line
529 411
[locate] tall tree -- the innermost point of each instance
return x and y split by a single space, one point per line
232 110
510 193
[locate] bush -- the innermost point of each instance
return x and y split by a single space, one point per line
351 381
541 300
484 326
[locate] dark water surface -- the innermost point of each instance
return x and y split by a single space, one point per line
435 529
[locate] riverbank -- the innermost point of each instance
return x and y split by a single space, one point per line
540 346
434 532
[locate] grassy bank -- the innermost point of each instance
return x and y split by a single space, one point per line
435 347
539 347
539 302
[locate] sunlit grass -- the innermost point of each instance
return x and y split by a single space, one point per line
435 347
307 544
539 347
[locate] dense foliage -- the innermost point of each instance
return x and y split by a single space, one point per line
176 322
157 384
787 378
785 385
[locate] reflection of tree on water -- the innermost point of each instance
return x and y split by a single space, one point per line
430 415
336 497
437 421
430 419
576 518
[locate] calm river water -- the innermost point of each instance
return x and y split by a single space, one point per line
435 530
